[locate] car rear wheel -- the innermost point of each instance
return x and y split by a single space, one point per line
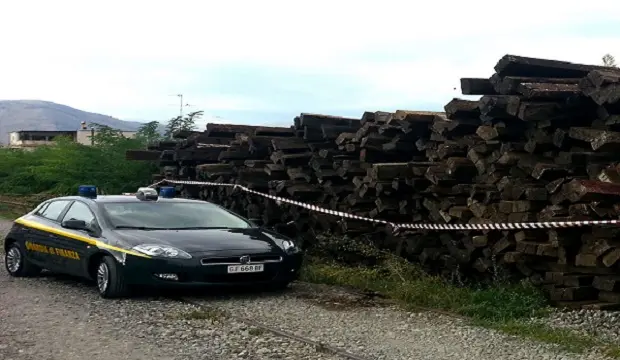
110 280
16 263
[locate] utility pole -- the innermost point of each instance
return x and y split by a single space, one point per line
180 96
181 105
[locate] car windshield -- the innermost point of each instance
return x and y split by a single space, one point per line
171 215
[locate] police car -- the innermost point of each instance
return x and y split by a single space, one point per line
149 239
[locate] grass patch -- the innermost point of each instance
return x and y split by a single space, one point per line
407 284
503 307
612 351
13 206
563 338
9 212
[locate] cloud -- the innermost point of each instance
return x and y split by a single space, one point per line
249 61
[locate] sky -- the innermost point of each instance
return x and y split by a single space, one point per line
264 62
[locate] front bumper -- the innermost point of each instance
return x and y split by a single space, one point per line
191 273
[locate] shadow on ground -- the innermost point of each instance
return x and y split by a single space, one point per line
328 297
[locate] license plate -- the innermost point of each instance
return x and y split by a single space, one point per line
235 269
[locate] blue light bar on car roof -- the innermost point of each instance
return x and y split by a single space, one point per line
167 192
89 191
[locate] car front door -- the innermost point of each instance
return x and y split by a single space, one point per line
41 240
71 245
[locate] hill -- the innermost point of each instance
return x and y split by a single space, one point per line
18 115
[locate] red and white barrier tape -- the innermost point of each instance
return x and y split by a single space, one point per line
398 226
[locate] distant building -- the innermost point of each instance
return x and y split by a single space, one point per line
30 139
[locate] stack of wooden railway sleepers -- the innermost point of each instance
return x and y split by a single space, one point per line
540 144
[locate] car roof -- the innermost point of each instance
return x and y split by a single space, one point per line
126 199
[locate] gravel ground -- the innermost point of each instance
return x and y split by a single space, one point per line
381 331
602 324
58 318
54 317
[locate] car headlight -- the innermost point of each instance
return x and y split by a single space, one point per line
289 247
162 251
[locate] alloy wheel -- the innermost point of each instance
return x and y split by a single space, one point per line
103 277
13 259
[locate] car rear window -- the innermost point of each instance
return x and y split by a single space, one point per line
171 215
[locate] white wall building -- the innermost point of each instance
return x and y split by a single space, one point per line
30 139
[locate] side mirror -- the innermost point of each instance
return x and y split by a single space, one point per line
258 222
75 224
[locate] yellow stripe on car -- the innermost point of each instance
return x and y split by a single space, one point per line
49 229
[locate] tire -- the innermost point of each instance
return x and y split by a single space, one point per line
16 264
109 279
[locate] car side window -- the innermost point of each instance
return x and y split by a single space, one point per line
41 208
80 211
53 210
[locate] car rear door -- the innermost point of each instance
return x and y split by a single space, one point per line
41 239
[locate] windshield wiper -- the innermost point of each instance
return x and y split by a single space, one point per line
138 228
198 228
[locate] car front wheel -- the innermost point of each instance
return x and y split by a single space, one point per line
16 263
110 280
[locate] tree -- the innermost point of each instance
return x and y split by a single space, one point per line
189 123
60 168
179 123
173 125
105 135
148 132
609 60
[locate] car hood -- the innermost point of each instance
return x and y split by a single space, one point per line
205 240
